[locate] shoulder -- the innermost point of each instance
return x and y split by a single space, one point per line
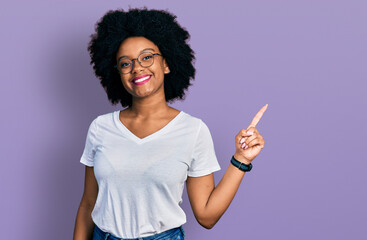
191 120
104 118
196 124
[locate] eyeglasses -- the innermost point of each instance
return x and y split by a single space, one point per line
126 65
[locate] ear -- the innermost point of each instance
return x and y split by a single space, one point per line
165 67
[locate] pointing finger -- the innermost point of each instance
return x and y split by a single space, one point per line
258 116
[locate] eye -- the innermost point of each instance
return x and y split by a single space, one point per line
124 65
146 58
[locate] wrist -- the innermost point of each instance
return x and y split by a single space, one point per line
240 165
241 159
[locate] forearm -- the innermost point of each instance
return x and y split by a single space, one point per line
84 224
222 195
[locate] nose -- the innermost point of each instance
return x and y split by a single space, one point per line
136 67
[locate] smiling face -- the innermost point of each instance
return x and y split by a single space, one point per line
153 76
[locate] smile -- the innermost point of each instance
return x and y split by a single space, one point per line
141 81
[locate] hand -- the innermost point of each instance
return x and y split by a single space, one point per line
249 142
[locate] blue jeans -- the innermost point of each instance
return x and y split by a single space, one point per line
172 234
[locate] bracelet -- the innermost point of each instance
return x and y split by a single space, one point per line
241 165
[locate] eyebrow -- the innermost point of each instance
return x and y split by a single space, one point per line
140 52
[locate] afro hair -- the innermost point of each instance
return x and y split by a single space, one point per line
158 26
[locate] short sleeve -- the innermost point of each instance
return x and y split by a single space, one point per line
90 145
204 161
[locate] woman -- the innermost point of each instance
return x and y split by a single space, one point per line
138 159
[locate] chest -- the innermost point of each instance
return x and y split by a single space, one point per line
144 128
164 157
159 162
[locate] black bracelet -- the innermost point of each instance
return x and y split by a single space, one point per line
241 165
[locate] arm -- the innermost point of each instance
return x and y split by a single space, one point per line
84 224
209 202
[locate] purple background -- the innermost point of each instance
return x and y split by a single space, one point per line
306 59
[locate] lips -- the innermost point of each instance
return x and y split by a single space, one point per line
141 79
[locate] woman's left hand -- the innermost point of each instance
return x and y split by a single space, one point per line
249 142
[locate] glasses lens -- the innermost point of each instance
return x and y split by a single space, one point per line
146 59
124 65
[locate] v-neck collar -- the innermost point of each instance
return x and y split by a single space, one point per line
138 140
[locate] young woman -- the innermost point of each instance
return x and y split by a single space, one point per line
138 159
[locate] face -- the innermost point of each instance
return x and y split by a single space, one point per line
131 48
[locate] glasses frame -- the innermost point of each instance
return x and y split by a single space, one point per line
137 59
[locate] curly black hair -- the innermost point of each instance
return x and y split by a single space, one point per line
160 27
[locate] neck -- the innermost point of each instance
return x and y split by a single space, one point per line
148 108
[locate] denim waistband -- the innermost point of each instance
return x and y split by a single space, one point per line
109 236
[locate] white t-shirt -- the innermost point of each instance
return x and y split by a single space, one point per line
141 181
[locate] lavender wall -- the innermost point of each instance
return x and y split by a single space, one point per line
306 59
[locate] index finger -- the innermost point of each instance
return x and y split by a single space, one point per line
258 116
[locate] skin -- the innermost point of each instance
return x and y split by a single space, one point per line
149 107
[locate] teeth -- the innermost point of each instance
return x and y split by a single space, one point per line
142 79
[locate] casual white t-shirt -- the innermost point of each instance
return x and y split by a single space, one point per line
141 181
